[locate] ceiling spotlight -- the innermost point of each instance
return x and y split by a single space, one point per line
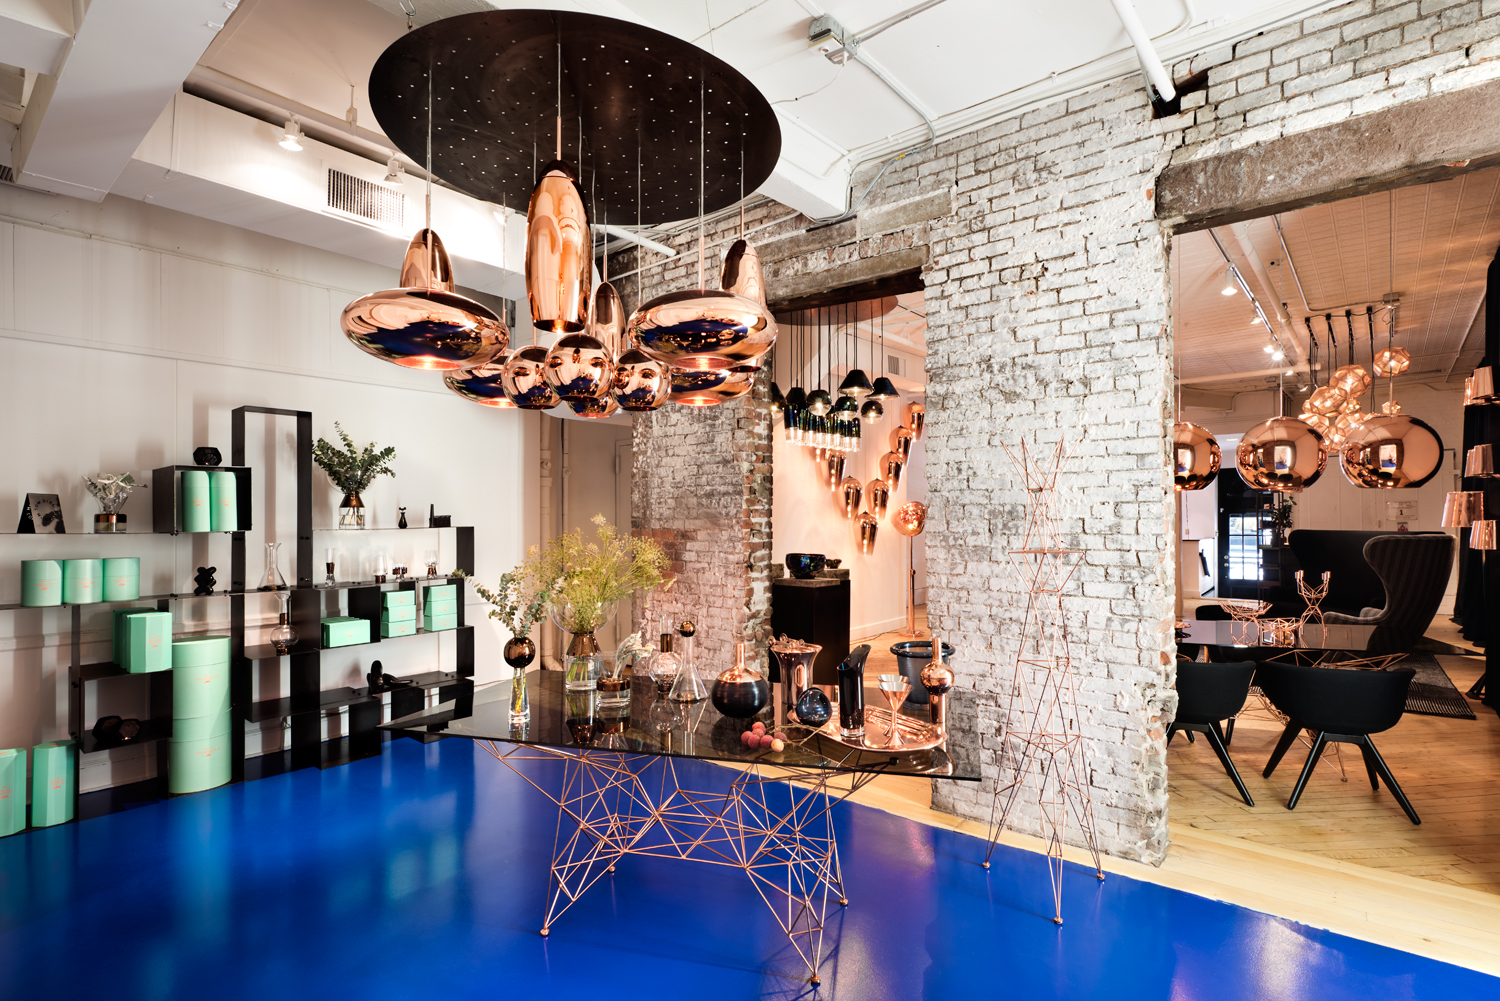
1229 286
1270 348
291 135
1277 356
394 171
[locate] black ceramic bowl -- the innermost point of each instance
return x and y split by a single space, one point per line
804 565
831 563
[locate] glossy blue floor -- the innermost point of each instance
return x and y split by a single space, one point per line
421 873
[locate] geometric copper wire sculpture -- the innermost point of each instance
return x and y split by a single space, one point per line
1042 740
1313 596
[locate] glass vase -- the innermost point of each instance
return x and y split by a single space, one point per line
272 580
351 512
519 652
585 662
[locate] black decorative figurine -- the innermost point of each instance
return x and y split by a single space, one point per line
207 455
402 522
205 580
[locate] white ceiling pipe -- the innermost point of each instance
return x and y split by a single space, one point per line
620 233
1150 61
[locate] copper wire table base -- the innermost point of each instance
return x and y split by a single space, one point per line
614 804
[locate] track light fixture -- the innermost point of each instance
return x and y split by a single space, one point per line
291 135
394 171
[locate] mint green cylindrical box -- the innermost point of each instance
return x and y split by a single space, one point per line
83 581
223 490
12 790
200 676
41 583
122 578
196 651
196 765
200 727
52 783
197 501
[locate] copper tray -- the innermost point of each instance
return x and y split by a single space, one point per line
916 735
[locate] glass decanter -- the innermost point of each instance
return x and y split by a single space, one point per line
272 579
688 687
328 558
283 637
664 666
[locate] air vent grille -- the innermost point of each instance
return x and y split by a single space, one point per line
7 175
358 197
893 364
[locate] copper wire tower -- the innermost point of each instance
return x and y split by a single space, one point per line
1042 741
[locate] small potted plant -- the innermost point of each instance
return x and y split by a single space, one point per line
520 605
352 470
111 490
1281 518
591 579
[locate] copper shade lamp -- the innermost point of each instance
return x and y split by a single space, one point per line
1195 456
703 329
1482 534
425 324
877 497
901 439
868 528
833 470
914 416
742 273
1281 454
1391 451
1480 462
482 384
1391 362
890 468
559 251
871 411
852 493
1483 390
1461 508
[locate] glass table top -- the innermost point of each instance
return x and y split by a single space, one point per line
653 724
1281 634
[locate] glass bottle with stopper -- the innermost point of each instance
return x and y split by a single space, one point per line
283 637
665 666
937 678
688 687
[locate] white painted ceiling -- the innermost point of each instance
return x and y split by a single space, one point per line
1429 244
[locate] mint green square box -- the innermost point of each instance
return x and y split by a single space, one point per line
198 763
404 628
52 781
440 592
143 640
398 599
83 581
438 623
401 613
345 630
41 583
12 790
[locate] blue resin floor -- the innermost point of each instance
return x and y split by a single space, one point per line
420 874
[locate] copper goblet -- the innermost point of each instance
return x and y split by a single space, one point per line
894 688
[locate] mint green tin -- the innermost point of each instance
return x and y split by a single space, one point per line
197 501
196 765
12 790
222 491
122 578
41 583
52 779
83 582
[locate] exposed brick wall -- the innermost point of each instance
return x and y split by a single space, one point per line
1047 293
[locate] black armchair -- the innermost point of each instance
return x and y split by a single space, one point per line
1338 706
1206 694
1415 571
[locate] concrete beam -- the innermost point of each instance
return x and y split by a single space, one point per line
1428 140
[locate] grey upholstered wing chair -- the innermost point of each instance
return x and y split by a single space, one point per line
1415 571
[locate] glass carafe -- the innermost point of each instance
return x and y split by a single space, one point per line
688 687
665 665
272 580
283 637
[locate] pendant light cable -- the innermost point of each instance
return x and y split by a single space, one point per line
702 133
559 101
427 224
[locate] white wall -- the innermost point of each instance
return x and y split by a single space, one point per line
127 335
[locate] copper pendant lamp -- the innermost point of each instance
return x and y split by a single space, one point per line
559 251
482 384
579 368
1483 390
1392 362
424 324
1195 456
1391 451
710 388
910 518
1281 454
1480 462
1326 400
833 470
524 381
890 468
1461 508
596 408
868 529
871 412
877 497
640 384
1482 534
852 493
901 440
914 416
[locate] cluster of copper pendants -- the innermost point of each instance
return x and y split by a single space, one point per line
699 347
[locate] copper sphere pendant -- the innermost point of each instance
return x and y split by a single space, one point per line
1391 451
890 467
604 406
914 416
525 382
483 384
1195 456
1281 454
559 251
579 368
877 497
425 324
1352 379
853 496
703 329
640 384
709 388
910 518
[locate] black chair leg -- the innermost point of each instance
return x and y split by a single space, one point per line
1229 731
1171 732
1288 738
1307 769
1364 749
1191 739
1217 741
1390 781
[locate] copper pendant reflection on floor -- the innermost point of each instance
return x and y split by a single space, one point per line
425 324
1281 454
1195 456
703 329
559 251
868 529
579 368
483 384
852 492
525 380
877 497
1391 451
891 466
914 416
640 384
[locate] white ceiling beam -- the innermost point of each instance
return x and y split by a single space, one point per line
127 59
35 34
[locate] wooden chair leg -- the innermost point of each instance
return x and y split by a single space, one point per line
1217 740
1288 737
1307 770
1390 781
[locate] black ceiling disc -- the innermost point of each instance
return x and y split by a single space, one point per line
637 90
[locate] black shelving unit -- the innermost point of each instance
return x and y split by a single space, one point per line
166 497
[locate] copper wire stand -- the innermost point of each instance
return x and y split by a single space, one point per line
911 629
1042 739
614 804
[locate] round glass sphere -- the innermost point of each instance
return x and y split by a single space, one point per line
604 406
1195 456
819 402
1391 451
1281 454
524 381
796 398
845 410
